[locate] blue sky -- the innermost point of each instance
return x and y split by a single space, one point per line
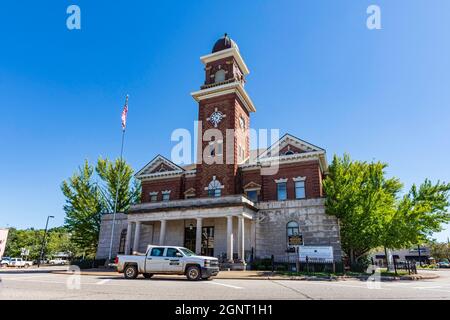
317 72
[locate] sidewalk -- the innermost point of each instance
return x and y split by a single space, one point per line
264 275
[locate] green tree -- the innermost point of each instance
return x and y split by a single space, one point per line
87 200
418 215
30 239
371 212
440 250
363 199
118 173
84 206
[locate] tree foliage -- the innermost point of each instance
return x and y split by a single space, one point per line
84 205
87 200
371 212
114 174
57 240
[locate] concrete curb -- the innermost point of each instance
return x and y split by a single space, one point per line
275 277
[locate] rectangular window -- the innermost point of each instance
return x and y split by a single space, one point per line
219 147
153 198
300 190
157 252
166 196
252 195
281 191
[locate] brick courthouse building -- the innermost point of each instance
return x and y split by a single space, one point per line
231 208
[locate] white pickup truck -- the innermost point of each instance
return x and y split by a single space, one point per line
16 262
167 260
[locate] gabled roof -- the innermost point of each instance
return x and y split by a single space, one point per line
157 161
289 139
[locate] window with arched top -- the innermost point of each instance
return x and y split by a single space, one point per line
215 188
292 228
219 76
289 152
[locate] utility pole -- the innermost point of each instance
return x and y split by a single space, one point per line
43 241
420 259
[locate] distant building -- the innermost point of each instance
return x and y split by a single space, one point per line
404 255
230 208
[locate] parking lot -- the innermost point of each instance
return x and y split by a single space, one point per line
43 284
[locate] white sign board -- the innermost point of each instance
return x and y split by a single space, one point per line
315 252
3 238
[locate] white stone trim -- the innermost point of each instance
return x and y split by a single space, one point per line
166 191
299 179
294 158
281 180
290 139
153 193
156 161
233 87
224 54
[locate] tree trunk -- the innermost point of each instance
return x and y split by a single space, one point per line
388 255
352 257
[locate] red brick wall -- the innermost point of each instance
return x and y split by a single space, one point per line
292 148
310 170
174 185
225 173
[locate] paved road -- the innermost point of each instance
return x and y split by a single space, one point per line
30 284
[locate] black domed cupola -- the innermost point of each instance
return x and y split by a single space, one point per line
224 43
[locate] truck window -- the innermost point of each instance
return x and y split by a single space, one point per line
157 252
171 252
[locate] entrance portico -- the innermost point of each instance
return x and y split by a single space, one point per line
227 219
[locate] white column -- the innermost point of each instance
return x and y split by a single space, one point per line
162 232
128 238
137 234
241 237
198 237
230 238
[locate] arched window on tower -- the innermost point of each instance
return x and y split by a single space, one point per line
219 76
214 188
123 237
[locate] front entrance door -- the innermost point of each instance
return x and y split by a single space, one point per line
189 238
208 241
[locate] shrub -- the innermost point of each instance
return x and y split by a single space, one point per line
281 268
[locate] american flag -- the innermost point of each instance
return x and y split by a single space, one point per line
124 114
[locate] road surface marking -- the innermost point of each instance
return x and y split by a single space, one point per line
225 285
103 281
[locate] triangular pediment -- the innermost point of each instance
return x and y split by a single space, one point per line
288 144
252 186
159 164
190 191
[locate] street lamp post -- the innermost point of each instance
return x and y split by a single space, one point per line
420 258
43 241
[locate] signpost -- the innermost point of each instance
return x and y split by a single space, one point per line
295 240
315 252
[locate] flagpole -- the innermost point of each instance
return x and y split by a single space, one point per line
117 188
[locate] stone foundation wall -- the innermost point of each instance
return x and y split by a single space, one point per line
105 234
317 228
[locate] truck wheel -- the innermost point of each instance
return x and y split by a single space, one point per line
147 275
130 272
193 273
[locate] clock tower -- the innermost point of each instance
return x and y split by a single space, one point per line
224 120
